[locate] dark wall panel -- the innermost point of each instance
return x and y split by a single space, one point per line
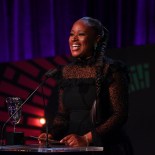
141 124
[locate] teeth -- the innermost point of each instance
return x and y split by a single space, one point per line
76 45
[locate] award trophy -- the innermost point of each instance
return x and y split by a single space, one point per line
14 111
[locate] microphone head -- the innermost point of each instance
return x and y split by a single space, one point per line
51 73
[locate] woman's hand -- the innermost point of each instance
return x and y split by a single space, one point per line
42 138
74 140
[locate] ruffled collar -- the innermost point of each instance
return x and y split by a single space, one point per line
88 61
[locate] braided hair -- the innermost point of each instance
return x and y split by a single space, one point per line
99 48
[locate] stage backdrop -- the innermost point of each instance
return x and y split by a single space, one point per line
21 78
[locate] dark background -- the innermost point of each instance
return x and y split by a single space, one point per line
34 38
141 125
40 28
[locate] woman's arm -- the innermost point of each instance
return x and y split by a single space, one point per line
60 122
118 97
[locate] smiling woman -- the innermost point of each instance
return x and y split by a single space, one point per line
93 93
82 39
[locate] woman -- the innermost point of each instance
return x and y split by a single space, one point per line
93 94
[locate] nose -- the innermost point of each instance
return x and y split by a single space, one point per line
75 37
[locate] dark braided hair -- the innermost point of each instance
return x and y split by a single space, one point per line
99 50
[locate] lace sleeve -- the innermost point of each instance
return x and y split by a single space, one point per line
118 100
60 122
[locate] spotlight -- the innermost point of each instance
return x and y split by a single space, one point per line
42 121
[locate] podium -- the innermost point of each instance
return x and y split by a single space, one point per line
55 149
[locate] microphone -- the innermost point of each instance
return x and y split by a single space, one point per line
51 73
48 74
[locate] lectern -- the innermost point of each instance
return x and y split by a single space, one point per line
55 149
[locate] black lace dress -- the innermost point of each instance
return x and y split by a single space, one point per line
77 95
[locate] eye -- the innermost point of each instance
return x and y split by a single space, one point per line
82 34
71 34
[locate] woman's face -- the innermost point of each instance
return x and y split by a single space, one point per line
82 39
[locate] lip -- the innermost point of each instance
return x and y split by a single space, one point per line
75 47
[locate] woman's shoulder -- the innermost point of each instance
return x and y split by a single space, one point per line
116 65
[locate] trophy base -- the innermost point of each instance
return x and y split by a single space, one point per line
15 138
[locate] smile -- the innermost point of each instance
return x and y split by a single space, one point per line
75 47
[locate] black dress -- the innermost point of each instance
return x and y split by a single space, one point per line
77 96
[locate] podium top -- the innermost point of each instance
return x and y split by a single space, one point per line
54 148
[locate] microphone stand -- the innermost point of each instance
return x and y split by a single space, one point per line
45 113
21 107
